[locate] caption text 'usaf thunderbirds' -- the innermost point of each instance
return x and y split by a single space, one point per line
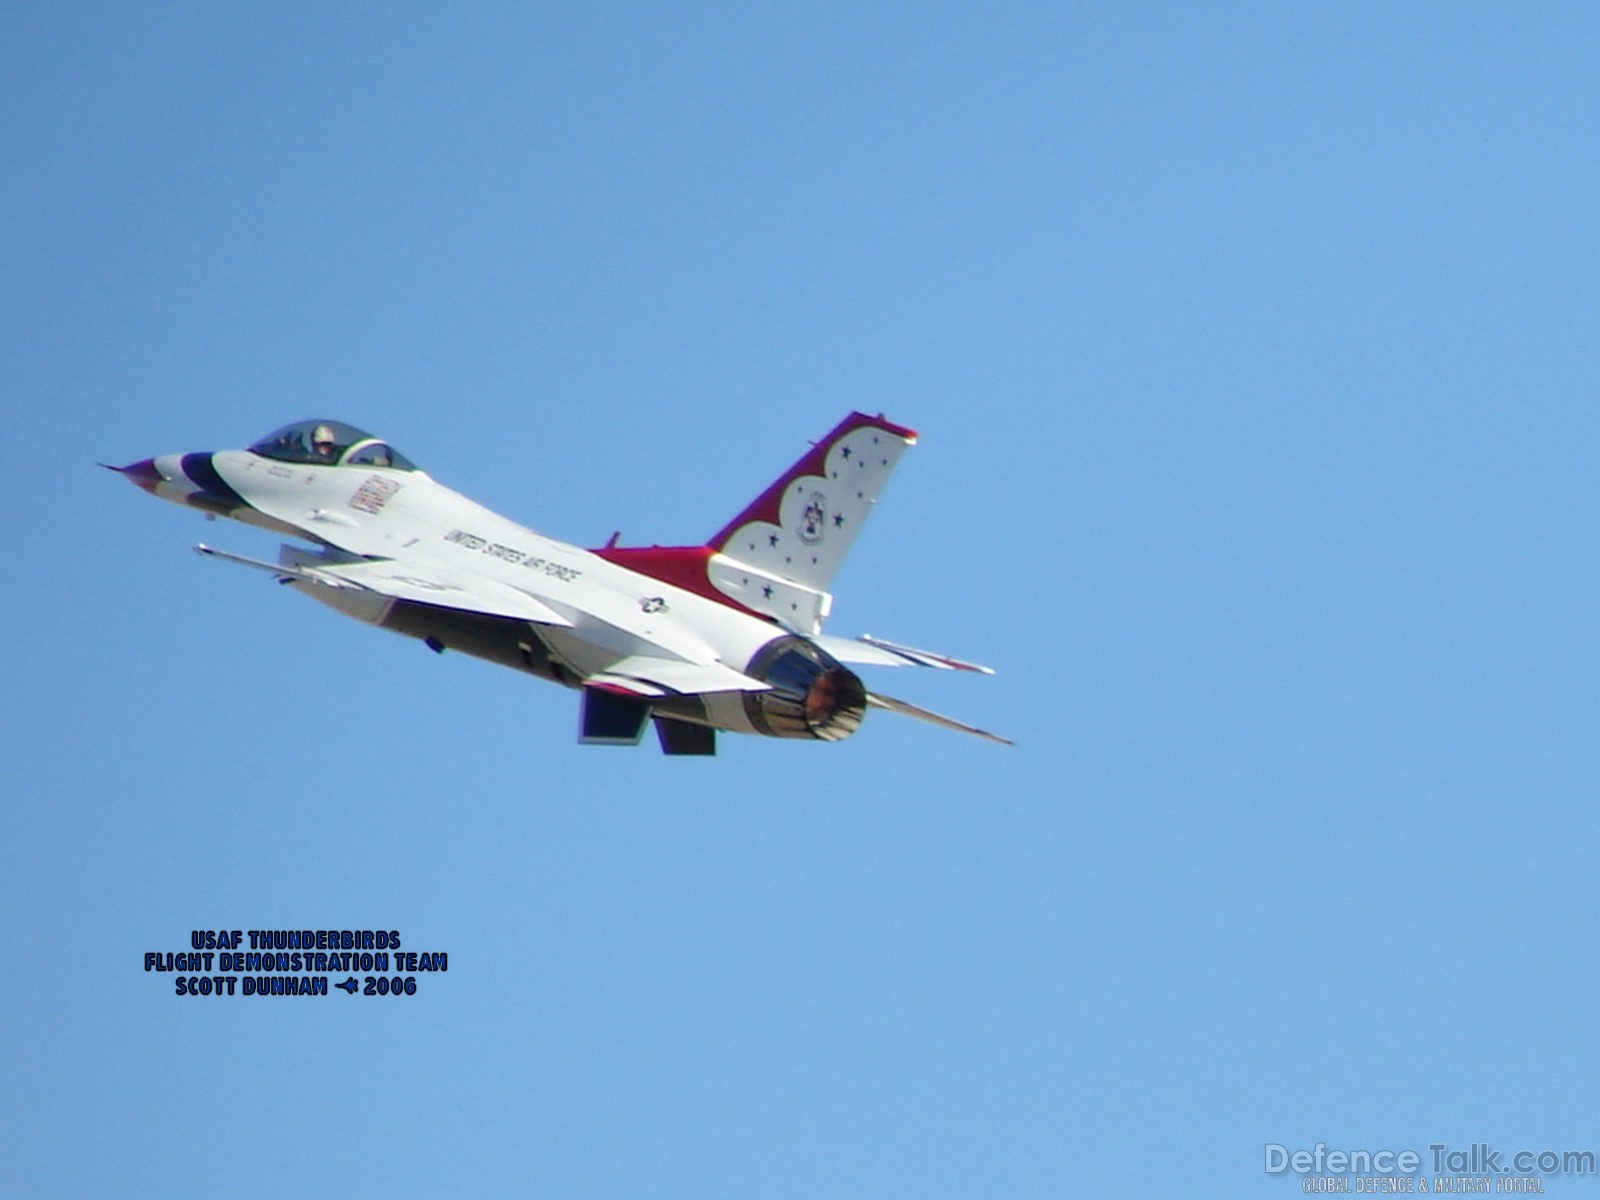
727 635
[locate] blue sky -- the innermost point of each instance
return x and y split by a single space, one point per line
1252 347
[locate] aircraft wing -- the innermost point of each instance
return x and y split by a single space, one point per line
933 718
867 650
427 585
647 675
406 581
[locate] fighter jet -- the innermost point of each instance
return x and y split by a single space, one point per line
693 639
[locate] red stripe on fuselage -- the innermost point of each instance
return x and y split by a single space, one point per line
681 566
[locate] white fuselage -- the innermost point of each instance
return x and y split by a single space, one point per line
725 634
376 512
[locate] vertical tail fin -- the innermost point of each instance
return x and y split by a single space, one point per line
779 555
800 529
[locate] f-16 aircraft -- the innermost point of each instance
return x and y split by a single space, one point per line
693 639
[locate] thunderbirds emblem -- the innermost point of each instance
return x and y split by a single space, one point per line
813 520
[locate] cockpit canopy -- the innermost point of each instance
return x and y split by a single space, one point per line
330 444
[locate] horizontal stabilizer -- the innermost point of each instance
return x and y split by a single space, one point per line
933 718
646 675
873 652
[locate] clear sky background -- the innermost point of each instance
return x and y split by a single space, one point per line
1254 352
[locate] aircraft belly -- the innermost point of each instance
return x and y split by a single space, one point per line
502 640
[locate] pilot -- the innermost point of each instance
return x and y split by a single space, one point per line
323 443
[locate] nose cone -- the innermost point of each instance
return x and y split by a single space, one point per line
142 474
188 479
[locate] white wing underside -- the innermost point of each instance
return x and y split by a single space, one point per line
403 581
